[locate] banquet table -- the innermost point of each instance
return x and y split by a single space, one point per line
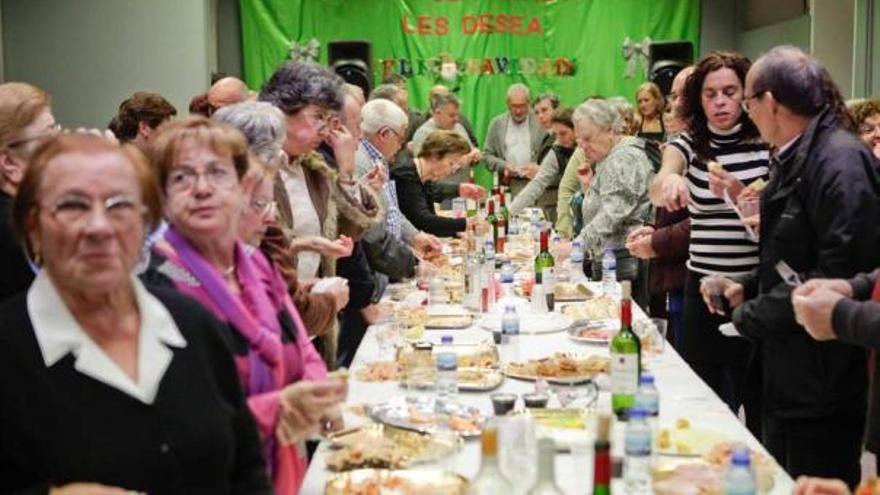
682 395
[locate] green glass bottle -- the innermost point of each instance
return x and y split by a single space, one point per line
492 220
626 353
503 209
544 258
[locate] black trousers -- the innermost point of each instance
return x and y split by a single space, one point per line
829 447
722 362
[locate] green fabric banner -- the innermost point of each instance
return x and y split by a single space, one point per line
574 48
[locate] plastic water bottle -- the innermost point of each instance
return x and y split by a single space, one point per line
740 479
648 399
447 369
576 261
507 272
609 271
637 452
509 323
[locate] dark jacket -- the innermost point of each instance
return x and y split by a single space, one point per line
17 274
59 426
389 255
417 203
857 321
819 214
670 241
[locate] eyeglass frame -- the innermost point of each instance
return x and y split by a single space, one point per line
744 104
269 206
195 175
320 123
108 205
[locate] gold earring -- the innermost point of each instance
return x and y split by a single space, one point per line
38 257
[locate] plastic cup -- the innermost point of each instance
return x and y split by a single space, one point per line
502 402
715 286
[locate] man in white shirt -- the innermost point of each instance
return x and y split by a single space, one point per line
514 140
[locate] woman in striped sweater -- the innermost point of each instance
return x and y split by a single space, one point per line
718 131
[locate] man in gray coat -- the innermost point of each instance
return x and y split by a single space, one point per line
514 140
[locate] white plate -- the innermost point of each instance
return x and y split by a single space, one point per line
530 323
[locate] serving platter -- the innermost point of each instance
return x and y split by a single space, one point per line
560 368
386 447
530 323
428 414
384 481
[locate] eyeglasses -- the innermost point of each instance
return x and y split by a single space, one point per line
320 120
47 132
184 178
745 103
263 207
75 211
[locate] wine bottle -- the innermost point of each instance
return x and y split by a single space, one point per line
626 351
490 480
602 458
544 258
492 220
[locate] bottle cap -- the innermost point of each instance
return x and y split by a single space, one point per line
446 339
646 378
741 456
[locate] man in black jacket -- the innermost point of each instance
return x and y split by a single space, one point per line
819 215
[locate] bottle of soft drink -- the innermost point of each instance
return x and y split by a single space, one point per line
447 369
740 479
637 453
576 261
648 399
609 271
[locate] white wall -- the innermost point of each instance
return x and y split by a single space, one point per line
91 54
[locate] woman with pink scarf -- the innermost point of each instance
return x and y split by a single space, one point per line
201 166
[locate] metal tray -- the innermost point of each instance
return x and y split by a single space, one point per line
423 482
609 325
387 447
469 379
469 355
428 414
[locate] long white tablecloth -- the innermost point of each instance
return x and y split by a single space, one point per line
682 395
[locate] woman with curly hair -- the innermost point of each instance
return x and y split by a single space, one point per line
719 153
866 118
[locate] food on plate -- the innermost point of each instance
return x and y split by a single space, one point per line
594 333
685 440
560 365
379 371
706 475
449 321
412 316
469 356
380 446
597 308
565 291
377 482
454 422
414 332
569 419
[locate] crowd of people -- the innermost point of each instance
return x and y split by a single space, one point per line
176 289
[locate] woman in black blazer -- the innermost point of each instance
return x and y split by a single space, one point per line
438 157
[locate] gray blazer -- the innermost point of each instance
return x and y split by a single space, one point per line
495 152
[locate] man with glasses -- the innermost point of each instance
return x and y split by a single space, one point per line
819 213
389 244
25 119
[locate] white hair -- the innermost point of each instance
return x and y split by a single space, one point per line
380 113
600 113
518 88
263 125
624 108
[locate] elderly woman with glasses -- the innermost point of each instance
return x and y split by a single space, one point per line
866 117
107 386
264 127
201 164
25 118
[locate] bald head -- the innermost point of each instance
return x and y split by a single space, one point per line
672 119
227 91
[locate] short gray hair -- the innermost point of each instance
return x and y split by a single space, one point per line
624 108
600 113
380 113
262 123
442 100
551 97
518 88
385 92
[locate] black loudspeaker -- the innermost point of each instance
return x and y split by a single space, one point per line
666 59
352 61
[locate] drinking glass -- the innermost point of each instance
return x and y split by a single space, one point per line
518 450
